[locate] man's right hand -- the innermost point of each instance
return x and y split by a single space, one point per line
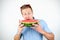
20 27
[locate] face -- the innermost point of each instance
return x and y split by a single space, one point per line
27 13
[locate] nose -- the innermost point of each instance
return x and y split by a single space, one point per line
27 17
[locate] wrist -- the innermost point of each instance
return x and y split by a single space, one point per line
19 32
42 31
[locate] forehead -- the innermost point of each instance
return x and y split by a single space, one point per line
27 10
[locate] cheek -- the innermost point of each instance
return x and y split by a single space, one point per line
31 15
24 16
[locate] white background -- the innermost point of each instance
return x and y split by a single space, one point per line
10 14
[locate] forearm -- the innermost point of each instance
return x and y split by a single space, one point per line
49 36
17 36
20 28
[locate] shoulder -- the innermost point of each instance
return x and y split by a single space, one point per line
41 20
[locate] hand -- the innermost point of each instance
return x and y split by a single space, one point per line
20 27
37 27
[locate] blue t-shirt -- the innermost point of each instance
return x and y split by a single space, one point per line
31 34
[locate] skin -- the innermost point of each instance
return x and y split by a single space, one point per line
28 14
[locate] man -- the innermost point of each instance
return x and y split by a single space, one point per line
33 33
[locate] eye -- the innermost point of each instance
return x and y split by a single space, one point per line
24 14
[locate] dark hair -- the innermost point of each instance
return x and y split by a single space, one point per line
25 6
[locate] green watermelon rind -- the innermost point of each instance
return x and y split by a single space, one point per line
28 24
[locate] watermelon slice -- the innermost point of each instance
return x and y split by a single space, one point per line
28 23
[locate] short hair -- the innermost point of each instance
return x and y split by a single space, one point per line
26 6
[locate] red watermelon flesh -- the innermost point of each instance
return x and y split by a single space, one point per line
29 21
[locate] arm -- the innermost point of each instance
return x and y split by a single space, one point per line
20 28
17 36
49 36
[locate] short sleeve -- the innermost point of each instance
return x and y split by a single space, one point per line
44 26
21 38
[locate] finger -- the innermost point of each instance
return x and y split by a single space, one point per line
33 28
21 25
20 21
35 25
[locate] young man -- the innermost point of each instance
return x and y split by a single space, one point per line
33 33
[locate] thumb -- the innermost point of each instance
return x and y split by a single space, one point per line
33 24
20 21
